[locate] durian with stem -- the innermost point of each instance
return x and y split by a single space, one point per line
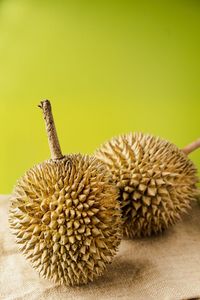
156 180
64 214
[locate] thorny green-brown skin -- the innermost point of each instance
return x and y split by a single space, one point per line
66 218
156 180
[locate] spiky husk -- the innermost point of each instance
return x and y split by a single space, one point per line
66 219
156 180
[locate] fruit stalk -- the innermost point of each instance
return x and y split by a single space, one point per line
54 144
191 147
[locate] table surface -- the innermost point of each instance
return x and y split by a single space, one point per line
162 267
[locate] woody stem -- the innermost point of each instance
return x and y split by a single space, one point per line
191 147
54 144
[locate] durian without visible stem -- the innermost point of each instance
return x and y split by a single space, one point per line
156 180
66 218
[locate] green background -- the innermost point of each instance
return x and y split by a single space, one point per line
109 67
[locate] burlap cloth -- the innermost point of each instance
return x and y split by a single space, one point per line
163 267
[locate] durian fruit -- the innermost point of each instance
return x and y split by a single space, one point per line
65 215
156 181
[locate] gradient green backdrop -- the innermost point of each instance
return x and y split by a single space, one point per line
108 67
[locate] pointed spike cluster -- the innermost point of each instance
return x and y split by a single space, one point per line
156 181
67 219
